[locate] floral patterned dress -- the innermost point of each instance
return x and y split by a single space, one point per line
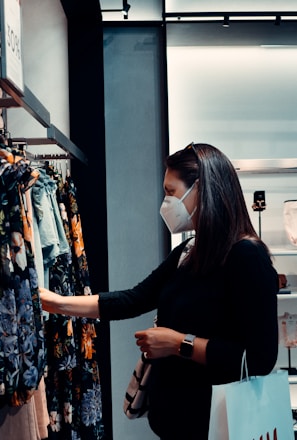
22 354
73 380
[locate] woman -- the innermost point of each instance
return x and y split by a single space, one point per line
214 300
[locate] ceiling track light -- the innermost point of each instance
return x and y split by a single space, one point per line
226 23
276 16
277 20
125 9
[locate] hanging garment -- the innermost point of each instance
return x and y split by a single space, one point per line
73 381
51 231
19 422
22 356
26 422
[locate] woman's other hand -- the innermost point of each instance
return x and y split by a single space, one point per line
159 342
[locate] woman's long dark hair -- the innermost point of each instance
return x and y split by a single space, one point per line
222 216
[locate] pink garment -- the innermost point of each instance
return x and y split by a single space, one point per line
41 409
26 422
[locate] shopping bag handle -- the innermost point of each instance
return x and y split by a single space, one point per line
244 367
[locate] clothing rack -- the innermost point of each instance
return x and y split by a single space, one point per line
40 157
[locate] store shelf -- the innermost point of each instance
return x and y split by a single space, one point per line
292 295
29 102
283 251
55 137
34 107
265 166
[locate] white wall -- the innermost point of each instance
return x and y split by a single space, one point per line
45 60
242 99
141 10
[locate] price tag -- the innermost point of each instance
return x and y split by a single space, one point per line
11 56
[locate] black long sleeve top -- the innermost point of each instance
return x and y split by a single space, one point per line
235 308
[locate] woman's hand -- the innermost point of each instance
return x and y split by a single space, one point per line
50 300
159 342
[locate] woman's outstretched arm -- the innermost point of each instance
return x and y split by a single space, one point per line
86 306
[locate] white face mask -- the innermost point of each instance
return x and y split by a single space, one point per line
175 214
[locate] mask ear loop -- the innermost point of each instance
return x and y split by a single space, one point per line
193 212
187 192
185 195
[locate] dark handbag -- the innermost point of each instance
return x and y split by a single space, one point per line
136 398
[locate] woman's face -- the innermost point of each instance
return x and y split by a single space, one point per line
174 186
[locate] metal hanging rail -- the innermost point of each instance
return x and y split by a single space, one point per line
55 135
29 102
34 107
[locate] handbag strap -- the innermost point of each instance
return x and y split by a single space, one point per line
186 250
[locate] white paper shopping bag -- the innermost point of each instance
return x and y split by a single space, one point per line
255 409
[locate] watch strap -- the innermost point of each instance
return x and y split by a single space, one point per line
187 345
189 338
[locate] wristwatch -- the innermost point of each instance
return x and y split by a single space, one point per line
186 347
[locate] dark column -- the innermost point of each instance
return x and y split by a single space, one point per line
86 99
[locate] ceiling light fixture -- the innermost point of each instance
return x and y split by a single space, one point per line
126 8
226 21
241 15
277 20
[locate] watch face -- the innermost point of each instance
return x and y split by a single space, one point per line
186 349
